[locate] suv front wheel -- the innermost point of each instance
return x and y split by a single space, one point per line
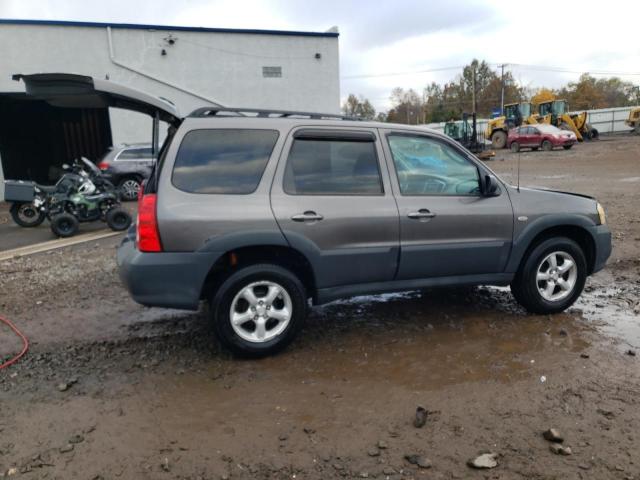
258 310
552 276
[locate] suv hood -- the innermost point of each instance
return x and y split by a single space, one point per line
79 91
562 192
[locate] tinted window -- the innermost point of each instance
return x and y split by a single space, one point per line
428 167
223 161
332 167
136 154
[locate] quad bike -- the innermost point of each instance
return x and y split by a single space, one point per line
89 203
30 201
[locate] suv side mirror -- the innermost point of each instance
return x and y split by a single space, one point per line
490 186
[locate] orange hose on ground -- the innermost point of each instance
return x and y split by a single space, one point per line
25 343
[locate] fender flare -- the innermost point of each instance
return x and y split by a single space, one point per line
250 238
531 231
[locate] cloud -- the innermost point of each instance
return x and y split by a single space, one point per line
405 35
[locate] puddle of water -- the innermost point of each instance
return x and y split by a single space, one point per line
426 340
611 310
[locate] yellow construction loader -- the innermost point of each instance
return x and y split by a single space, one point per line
634 120
556 113
514 115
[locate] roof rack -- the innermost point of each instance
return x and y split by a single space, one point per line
266 113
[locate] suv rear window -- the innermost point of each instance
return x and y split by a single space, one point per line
135 154
332 167
228 161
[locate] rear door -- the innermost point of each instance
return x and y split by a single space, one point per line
447 227
332 199
525 137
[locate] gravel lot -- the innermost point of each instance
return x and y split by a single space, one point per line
111 389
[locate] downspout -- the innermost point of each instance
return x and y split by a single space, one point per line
152 77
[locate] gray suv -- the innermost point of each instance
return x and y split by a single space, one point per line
127 166
261 213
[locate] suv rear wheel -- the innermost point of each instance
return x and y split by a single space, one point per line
552 276
129 188
258 310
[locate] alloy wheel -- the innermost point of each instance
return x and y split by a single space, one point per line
260 311
556 276
130 189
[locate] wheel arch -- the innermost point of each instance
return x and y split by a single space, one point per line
576 230
278 254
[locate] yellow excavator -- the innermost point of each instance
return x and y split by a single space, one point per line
514 115
634 120
556 113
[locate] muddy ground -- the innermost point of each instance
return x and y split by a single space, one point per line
114 390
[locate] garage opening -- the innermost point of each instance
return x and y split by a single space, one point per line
36 138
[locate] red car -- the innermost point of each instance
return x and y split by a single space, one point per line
540 136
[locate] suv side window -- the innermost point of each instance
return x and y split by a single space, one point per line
222 161
332 167
426 166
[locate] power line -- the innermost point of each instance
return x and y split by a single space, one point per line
564 70
397 74
543 68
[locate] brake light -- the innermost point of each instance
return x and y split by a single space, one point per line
103 165
147 235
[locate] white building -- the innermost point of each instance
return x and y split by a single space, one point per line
189 66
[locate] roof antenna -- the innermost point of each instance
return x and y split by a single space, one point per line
519 154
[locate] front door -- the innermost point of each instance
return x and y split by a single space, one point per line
332 199
447 227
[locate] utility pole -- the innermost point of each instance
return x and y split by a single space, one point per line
502 89
473 90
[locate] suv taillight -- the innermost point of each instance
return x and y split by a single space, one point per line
103 165
147 234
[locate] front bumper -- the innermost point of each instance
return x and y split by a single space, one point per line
164 279
602 239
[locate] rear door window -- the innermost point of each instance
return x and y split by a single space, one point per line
332 167
222 161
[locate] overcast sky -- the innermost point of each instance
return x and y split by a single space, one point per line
379 38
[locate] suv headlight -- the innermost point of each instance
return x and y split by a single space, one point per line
601 215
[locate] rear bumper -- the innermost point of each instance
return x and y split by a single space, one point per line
602 239
166 279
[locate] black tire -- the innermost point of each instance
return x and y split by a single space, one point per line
525 285
547 146
223 299
594 133
129 188
515 147
26 215
118 219
499 139
567 147
64 225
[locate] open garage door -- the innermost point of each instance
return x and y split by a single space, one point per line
61 117
37 138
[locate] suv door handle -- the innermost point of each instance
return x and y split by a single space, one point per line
308 216
421 214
